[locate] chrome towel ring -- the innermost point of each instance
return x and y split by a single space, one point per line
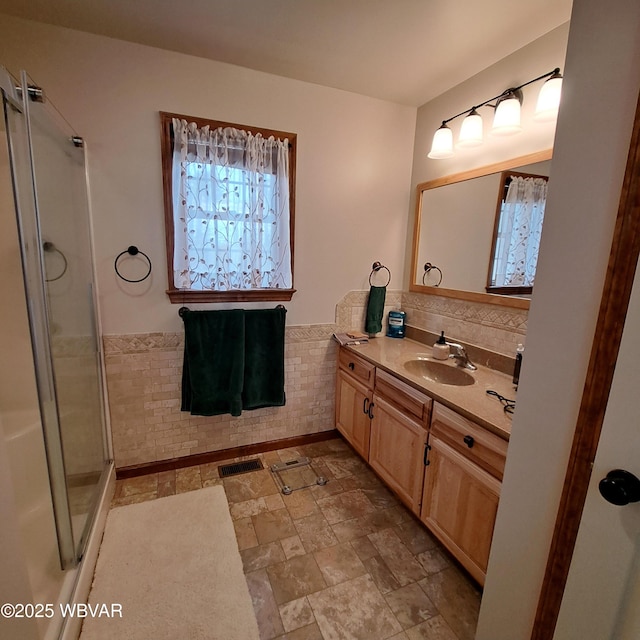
428 268
375 268
50 247
132 251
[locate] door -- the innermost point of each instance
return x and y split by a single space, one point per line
58 166
601 596
55 244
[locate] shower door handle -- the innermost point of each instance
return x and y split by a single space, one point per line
94 320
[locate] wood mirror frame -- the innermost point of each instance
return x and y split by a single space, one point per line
472 296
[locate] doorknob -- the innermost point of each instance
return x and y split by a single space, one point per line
620 487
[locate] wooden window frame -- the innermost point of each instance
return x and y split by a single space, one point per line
182 296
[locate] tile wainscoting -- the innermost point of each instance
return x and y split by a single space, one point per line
488 326
77 390
144 373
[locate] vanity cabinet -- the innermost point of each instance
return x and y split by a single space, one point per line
462 487
446 468
386 422
354 396
400 418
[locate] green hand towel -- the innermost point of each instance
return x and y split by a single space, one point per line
213 366
375 309
264 358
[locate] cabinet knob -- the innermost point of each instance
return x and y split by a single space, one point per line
352 366
469 441
620 487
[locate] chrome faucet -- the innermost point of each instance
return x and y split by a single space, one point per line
460 356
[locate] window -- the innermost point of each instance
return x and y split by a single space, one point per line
516 241
229 195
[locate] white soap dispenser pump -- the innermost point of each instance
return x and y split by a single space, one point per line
441 348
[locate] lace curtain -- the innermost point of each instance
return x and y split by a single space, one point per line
231 209
520 228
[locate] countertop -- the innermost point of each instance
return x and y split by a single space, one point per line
470 401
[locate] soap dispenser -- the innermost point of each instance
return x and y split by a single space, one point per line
441 348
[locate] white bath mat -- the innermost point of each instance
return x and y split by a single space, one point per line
173 566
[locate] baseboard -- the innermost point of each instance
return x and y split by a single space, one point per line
223 454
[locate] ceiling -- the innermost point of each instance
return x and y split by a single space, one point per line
404 51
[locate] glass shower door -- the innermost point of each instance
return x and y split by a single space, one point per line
59 179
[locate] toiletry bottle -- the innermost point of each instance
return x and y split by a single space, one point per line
518 364
396 325
441 348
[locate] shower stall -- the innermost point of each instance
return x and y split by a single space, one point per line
46 163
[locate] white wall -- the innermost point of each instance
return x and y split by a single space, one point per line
353 172
541 56
14 580
602 82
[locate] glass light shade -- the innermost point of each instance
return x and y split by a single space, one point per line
471 130
506 121
549 99
442 145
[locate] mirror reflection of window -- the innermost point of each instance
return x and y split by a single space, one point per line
519 219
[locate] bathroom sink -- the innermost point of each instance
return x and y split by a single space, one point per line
439 372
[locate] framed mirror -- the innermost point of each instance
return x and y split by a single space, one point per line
455 231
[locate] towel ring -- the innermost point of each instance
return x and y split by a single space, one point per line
428 267
49 246
375 268
132 251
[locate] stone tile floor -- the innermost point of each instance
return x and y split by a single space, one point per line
341 561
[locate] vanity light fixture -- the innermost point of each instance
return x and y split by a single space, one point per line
442 146
506 120
471 131
549 98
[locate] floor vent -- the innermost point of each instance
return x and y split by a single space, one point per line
226 470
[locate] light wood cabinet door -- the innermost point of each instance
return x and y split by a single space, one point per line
353 400
459 505
396 451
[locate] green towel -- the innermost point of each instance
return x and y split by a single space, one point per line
375 309
264 358
233 360
213 366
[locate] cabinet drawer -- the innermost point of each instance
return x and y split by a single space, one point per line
401 394
357 367
486 449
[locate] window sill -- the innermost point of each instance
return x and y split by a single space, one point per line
254 295
510 290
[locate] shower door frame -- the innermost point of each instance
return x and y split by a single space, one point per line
16 97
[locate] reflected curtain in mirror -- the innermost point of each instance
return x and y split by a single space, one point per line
519 221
